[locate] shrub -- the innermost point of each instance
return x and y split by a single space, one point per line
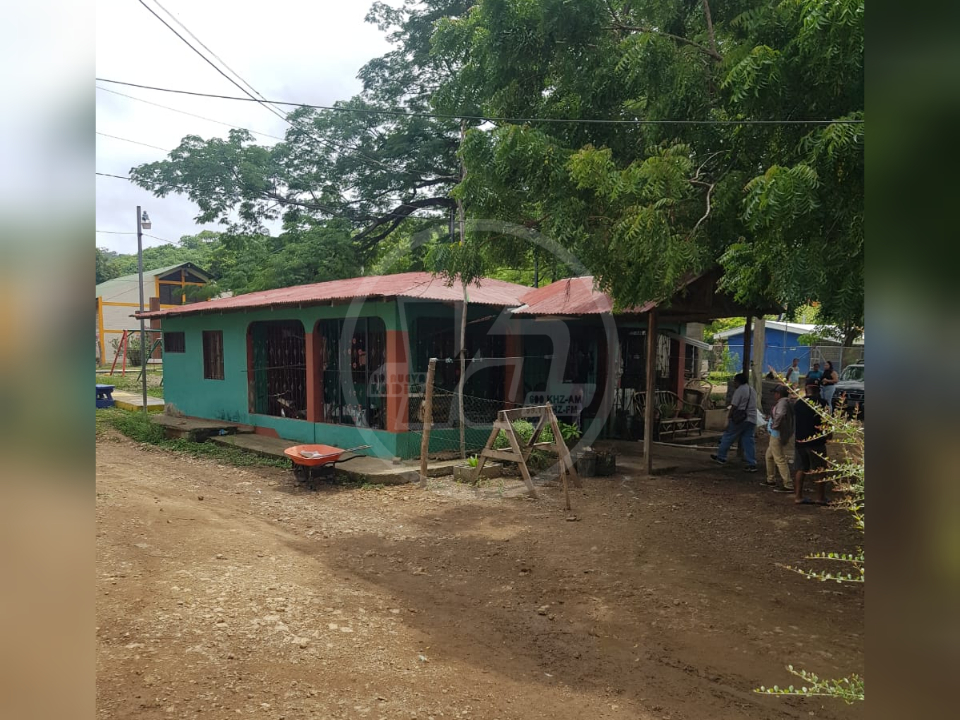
538 459
133 349
847 476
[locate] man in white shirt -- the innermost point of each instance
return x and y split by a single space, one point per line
741 423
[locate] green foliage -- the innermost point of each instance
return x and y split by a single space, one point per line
779 208
849 689
137 426
848 478
538 459
107 266
473 461
134 356
720 325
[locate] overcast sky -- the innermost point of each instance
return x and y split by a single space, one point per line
295 50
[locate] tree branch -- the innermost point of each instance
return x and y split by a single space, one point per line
397 216
635 28
713 39
707 213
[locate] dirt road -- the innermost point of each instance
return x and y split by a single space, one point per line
225 592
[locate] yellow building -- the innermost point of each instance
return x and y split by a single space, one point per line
119 298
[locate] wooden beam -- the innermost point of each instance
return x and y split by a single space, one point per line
427 421
651 389
505 455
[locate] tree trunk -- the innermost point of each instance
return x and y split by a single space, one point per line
463 319
747 339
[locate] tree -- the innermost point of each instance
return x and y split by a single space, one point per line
107 268
779 207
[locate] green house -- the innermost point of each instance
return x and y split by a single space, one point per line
343 362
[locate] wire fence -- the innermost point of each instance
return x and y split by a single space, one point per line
479 415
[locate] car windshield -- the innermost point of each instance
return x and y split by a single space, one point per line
852 372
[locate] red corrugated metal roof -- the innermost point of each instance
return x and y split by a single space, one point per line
419 285
578 296
572 296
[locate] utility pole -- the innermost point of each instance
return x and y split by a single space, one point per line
142 221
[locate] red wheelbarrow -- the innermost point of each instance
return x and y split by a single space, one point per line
317 461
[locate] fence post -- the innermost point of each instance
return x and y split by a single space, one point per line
427 421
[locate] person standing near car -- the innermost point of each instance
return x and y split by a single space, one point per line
811 444
741 424
827 384
815 374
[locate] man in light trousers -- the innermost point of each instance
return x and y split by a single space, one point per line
779 451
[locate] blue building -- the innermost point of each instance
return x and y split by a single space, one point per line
782 345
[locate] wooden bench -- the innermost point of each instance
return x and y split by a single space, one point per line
671 414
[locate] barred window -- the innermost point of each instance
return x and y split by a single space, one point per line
213 354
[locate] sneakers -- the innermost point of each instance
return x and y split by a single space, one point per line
750 468
784 490
718 461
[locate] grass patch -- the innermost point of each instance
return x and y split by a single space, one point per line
130 383
137 426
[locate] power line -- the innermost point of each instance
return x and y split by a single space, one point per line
261 100
206 59
486 118
184 112
312 206
135 142
130 232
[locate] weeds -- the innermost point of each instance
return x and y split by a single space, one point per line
137 426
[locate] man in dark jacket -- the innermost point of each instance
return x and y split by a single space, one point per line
811 443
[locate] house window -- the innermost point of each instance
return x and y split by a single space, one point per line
279 365
192 277
213 355
171 294
353 370
174 342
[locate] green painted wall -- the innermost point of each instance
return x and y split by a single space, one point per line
227 399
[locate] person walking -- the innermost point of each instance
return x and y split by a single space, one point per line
741 424
780 429
811 444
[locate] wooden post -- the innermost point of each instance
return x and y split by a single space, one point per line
427 421
747 339
759 345
651 391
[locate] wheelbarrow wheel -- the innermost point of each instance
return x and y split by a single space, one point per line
301 473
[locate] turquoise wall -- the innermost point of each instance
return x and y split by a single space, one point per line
185 387
227 399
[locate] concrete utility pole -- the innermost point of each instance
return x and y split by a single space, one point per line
143 221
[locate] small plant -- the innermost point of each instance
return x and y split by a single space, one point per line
847 476
570 433
473 461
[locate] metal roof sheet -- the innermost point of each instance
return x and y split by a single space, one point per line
417 285
571 296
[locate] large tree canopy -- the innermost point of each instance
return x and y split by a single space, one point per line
779 206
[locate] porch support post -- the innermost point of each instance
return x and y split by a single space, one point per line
651 391
679 364
398 382
313 348
513 371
